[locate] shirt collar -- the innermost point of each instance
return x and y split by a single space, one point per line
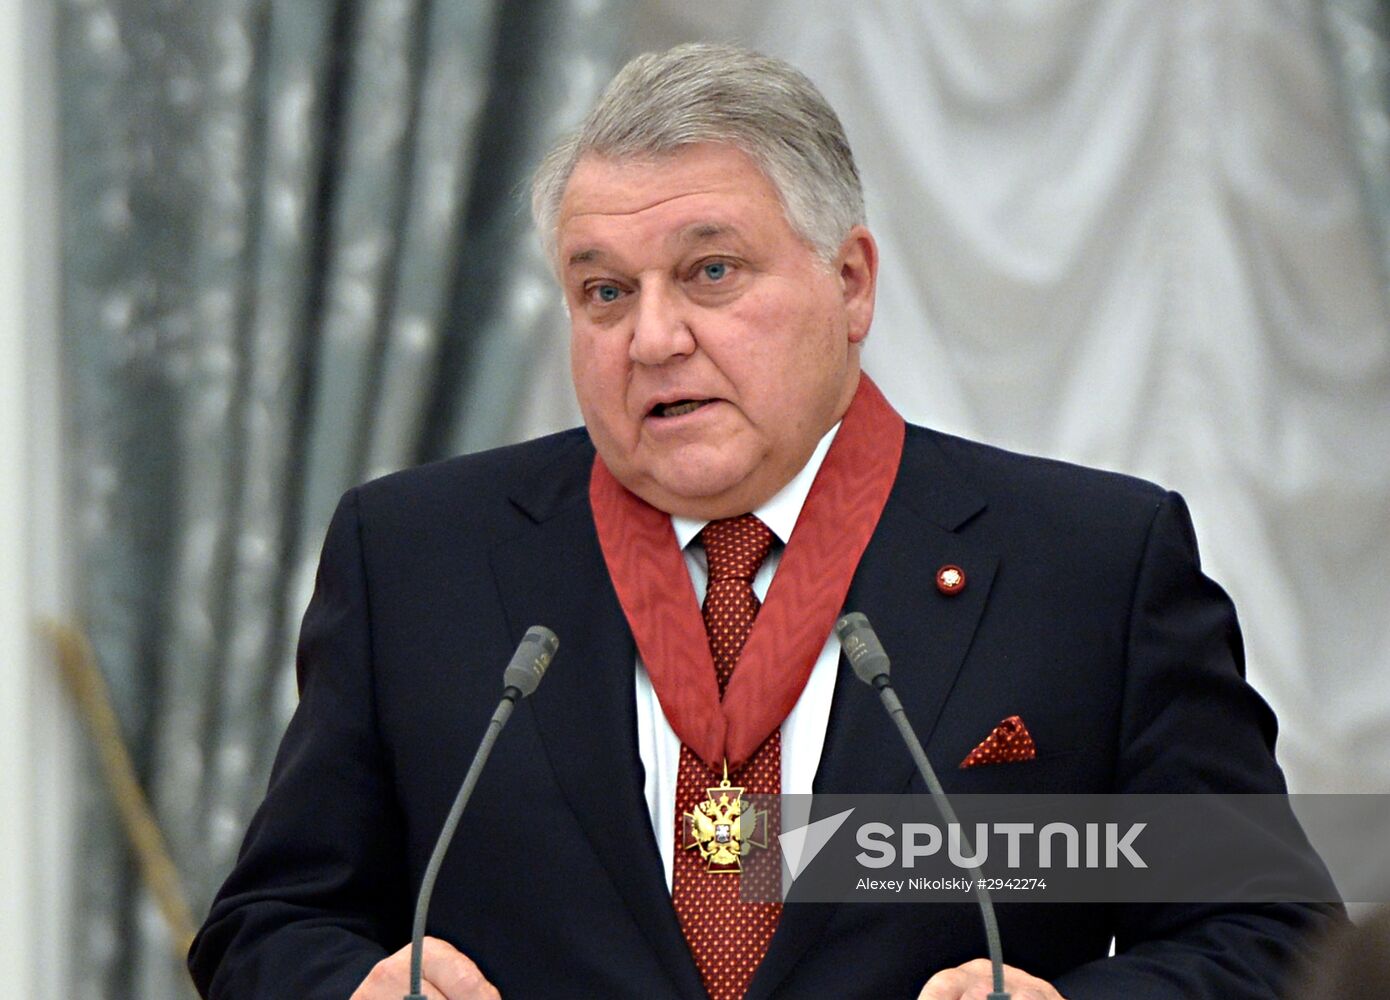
781 512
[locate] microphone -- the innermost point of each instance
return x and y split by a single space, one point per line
520 679
870 664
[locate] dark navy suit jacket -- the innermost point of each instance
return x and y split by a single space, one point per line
1084 612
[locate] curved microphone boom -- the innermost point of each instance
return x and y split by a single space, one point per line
870 664
523 673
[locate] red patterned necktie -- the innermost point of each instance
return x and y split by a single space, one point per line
728 938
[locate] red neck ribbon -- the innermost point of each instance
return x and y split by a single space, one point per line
807 594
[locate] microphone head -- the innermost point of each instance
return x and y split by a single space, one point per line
861 647
532 656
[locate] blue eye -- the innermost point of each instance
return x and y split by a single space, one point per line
607 293
715 270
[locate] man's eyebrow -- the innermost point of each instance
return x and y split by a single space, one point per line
700 232
585 256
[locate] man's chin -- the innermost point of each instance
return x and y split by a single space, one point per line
706 495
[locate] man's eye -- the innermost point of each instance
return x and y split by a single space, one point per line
715 270
605 293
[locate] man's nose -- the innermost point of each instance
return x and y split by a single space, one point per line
661 328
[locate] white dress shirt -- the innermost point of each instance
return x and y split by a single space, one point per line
803 731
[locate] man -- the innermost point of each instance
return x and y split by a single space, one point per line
707 227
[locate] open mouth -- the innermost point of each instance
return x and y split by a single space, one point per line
679 408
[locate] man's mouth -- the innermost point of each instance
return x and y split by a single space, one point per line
679 408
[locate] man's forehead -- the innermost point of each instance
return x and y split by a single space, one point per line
703 193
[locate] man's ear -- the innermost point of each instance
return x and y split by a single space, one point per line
857 266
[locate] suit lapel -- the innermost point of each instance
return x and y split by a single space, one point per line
553 575
925 633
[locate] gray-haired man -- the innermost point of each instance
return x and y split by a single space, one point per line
707 229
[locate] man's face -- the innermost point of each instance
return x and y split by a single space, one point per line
710 347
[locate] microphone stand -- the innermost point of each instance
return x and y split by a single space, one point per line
870 663
523 674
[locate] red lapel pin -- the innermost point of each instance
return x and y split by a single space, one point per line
950 580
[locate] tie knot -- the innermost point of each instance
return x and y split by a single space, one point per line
736 546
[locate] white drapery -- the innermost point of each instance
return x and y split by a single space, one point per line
1132 234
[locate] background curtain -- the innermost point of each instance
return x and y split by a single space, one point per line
290 248
1145 236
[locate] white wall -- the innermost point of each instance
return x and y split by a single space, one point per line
37 733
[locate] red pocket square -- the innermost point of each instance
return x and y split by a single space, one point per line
1009 742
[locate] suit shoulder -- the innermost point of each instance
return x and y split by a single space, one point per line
1046 492
466 486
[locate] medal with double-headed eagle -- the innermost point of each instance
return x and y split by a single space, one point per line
724 828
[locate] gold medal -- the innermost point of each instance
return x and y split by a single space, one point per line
724 828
